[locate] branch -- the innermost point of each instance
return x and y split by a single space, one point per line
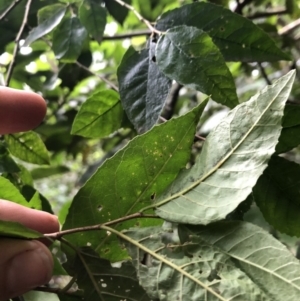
171 101
112 85
240 6
9 9
59 235
128 35
264 74
267 14
17 41
139 16
289 27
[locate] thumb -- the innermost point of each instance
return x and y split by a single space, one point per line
23 266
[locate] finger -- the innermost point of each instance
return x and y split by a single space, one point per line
37 220
20 111
23 266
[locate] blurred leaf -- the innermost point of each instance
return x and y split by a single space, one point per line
100 280
68 39
118 11
233 157
130 180
93 17
189 56
277 195
40 296
28 147
143 88
263 259
16 230
7 164
45 172
290 135
100 115
49 17
237 37
9 192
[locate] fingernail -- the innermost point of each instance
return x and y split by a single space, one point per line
29 269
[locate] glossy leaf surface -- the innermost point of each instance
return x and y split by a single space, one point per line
100 115
189 56
233 157
143 88
237 38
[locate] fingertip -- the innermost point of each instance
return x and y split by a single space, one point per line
20 110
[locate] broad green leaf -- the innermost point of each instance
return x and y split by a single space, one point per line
28 147
233 157
100 281
143 88
130 180
68 39
100 115
189 56
118 11
9 192
16 230
237 37
277 195
93 17
49 17
266 261
290 135
189 269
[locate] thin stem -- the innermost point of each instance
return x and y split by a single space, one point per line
264 74
289 27
127 35
9 9
139 16
17 41
59 235
267 14
112 85
164 260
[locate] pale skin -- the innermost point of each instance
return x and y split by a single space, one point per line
24 264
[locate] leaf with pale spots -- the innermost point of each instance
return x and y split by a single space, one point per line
233 157
130 180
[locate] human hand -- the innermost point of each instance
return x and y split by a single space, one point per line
24 264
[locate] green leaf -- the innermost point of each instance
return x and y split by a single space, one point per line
266 261
9 192
93 17
49 17
118 11
143 88
189 56
68 39
290 135
131 179
277 195
16 230
237 37
7 164
100 280
233 157
189 269
45 172
28 147
100 115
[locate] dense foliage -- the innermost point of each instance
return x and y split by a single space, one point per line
188 164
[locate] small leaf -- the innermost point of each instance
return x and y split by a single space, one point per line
233 157
237 37
93 17
49 17
189 56
118 11
130 180
100 115
9 192
28 147
16 230
272 268
68 39
143 88
277 195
